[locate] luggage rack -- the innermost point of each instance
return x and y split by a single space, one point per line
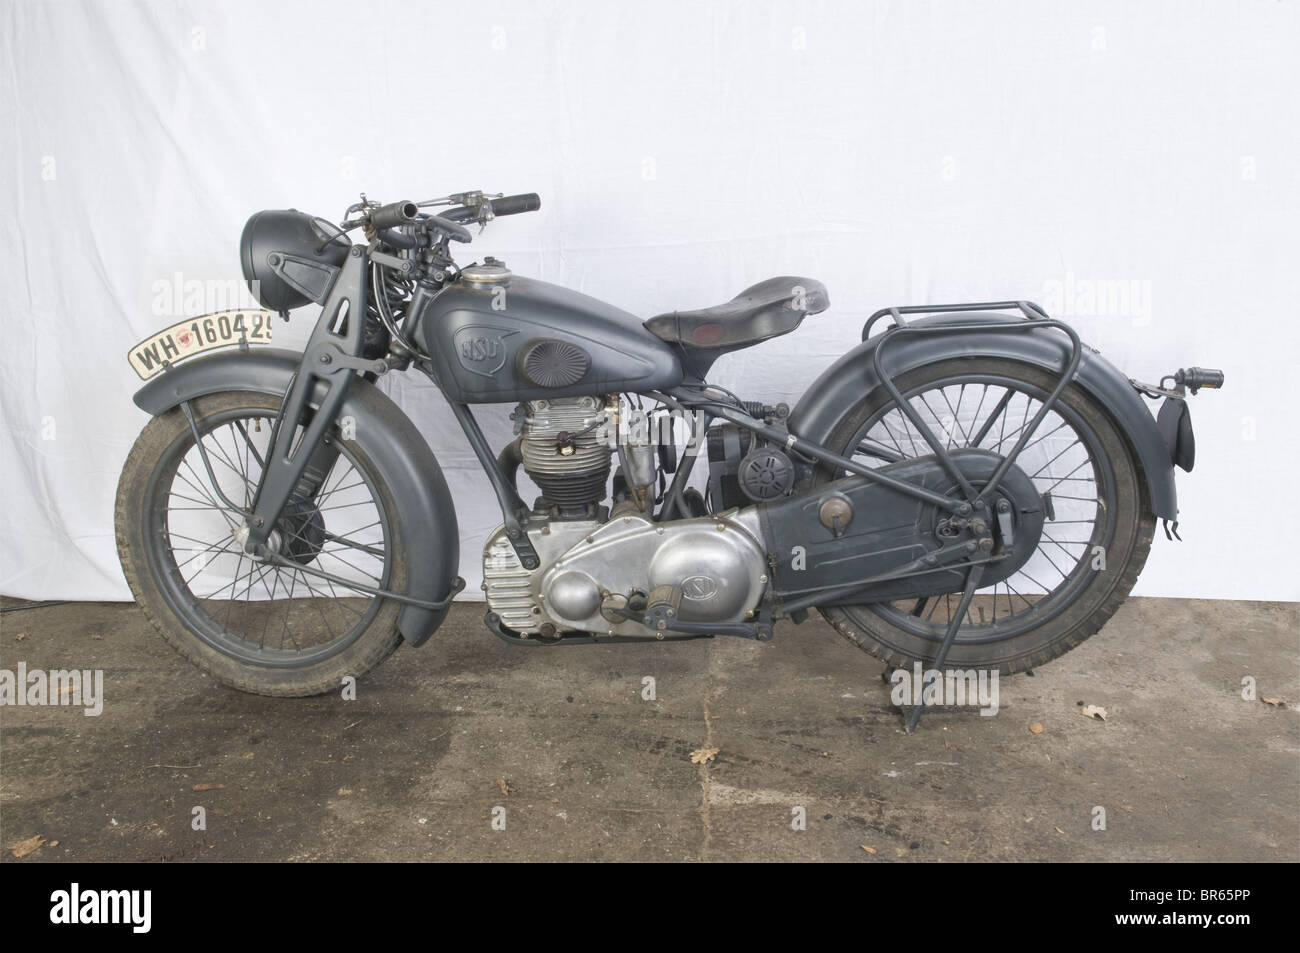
1029 309
1035 317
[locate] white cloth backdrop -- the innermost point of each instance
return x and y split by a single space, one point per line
1134 167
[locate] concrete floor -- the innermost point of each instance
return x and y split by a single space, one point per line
413 768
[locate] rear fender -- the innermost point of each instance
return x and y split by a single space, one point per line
400 454
852 377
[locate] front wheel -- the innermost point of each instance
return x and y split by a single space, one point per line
1095 538
271 628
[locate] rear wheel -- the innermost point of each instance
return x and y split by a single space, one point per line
251 623
1094 542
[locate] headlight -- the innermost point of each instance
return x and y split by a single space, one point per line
308 251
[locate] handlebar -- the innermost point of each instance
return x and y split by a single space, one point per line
509 205
386 221
453 230
393 215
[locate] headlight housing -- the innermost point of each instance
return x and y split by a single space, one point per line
290 258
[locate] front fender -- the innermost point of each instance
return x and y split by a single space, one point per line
852 377
402 457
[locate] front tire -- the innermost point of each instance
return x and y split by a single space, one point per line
1097 567
271 630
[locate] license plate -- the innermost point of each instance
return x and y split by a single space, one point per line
197 336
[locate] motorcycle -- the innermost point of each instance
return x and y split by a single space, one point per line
971 486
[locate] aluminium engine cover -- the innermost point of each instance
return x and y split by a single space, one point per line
716 562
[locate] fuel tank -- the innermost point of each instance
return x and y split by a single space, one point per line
500 338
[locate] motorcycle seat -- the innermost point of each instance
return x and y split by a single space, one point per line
765 310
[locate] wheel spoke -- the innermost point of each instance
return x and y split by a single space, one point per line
993 417
243 604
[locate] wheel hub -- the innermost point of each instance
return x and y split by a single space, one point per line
302 530
298 535
1006 528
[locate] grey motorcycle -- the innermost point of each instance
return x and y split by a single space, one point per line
971 486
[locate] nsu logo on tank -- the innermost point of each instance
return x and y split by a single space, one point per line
482 349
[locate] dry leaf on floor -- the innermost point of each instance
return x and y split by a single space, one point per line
1036 727
504 786
207 786
1275 702
869 850
1059 831
703 755
20 636
1094 711
25 847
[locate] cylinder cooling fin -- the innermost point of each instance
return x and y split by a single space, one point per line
565 450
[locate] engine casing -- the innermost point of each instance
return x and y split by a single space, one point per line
588 569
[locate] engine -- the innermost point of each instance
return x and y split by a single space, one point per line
607 570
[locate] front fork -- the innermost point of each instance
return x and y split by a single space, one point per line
297 467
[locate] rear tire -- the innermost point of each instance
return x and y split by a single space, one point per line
185 622
1082 602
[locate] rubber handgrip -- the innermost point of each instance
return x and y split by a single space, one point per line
514 204
393 215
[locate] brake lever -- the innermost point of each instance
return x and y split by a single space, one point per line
478 200
471 197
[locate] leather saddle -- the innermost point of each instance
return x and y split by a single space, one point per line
770 308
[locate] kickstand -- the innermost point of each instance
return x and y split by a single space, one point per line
950 636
